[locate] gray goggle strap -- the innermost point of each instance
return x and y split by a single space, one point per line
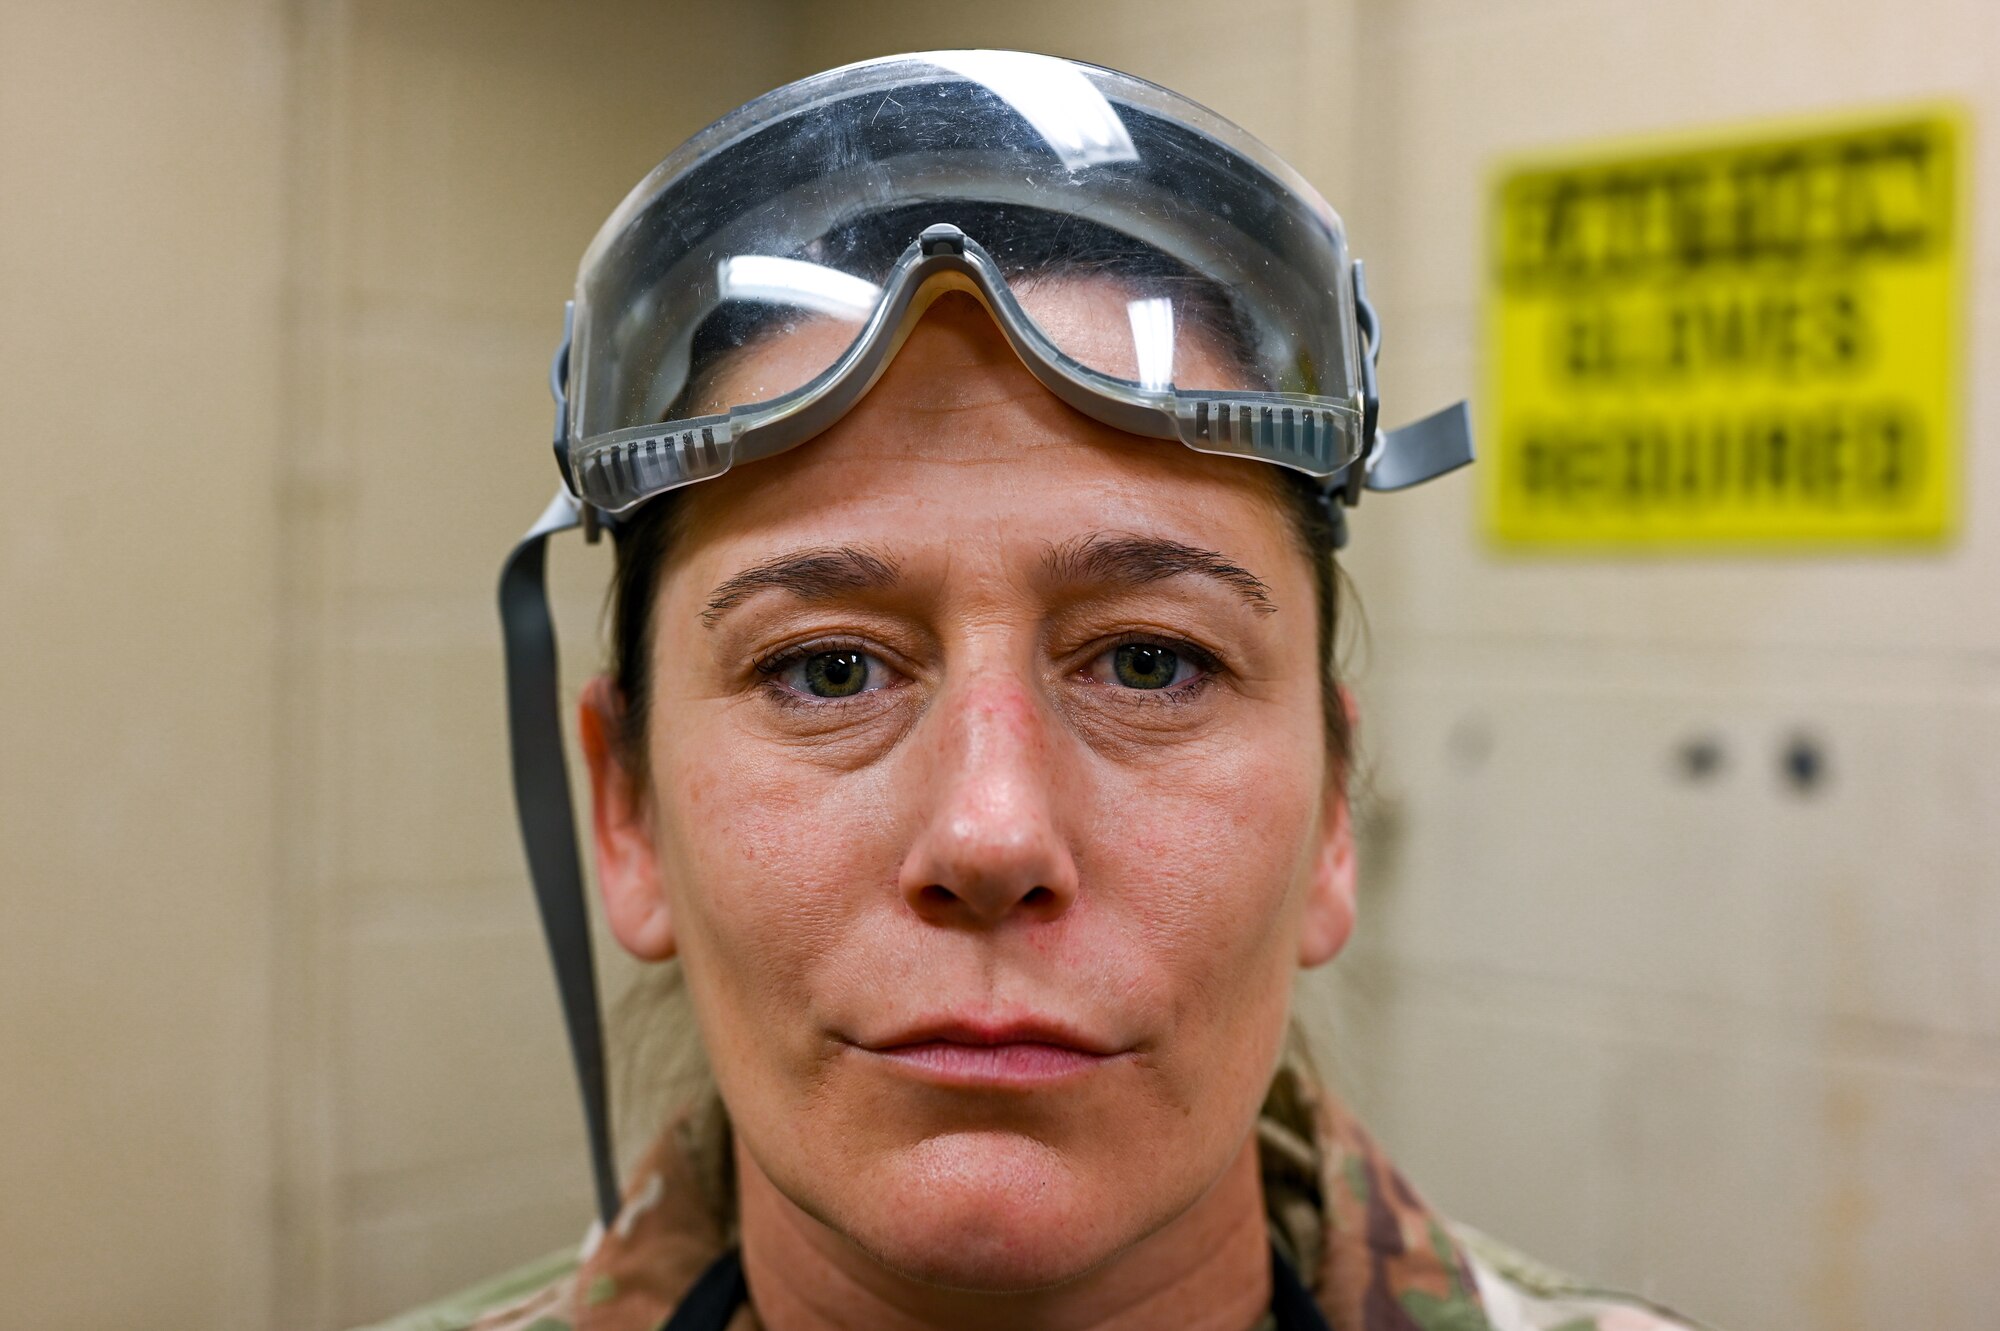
1393 459
1414 453
548 828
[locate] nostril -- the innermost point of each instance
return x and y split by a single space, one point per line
938 901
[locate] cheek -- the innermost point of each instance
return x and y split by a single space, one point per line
766 861
1228 832
1210 869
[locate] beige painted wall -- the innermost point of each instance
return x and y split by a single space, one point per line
142 246
281 1049
454 160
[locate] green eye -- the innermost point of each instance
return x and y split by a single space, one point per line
839 674
1145 665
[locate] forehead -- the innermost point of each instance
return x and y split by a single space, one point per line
958 439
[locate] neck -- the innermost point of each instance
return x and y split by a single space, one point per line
1209 1269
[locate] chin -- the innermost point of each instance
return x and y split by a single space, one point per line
994 1212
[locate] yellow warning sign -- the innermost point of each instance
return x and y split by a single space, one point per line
1739 341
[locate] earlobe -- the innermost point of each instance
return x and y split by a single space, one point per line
628 867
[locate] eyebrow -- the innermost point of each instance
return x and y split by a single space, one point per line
812 575
1123 557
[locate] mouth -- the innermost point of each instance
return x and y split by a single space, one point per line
1018 1055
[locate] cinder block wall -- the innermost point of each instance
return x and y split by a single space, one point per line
1723 1040
285 275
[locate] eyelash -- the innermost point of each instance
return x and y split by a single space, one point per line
778 661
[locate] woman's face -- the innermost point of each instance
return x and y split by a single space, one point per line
990 812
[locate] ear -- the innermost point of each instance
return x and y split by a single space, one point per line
628 866
1329 910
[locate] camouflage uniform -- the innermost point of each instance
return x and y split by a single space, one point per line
1375 1257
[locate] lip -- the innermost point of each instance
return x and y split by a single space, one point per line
998 1055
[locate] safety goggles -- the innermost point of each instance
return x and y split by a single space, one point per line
1151 264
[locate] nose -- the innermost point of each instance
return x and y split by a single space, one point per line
991 847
